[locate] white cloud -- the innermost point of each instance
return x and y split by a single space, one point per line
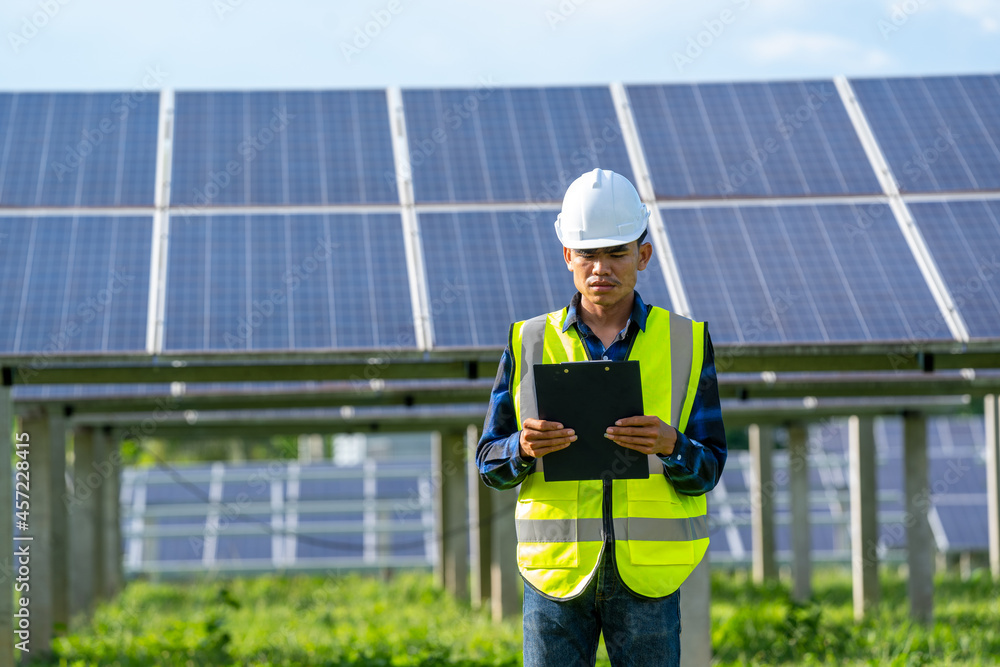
815 47
986 12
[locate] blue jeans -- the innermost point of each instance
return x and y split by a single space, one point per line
638 632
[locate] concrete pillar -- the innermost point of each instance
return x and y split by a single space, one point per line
6 518
992 412
864 520
919 539
480 513
453 512
798 488
60 523
696 617
762 502
111 530
505 582
83 525
36 426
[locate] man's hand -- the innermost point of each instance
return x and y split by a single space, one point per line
539 437
645 434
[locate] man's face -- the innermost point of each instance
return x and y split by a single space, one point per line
605 276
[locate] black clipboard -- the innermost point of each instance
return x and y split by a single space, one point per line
588 397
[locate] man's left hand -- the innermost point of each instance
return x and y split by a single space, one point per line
647 434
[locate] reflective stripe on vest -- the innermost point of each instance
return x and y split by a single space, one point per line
660 535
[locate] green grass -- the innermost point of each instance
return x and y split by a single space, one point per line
353 620
760 625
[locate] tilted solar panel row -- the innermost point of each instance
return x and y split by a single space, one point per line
808 273
939 134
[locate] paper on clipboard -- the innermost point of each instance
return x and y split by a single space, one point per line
588 397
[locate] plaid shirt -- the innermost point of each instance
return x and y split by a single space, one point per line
695 465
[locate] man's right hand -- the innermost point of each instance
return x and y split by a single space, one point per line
539 437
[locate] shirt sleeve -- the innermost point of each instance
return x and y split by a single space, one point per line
500 465
695 465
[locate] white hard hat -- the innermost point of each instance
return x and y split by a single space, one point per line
600 209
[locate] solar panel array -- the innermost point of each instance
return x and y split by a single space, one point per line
268 282
77 150
278 515
509 145
74 284
804 263
771 206
939 134
273 148
273 515
957 481
750 140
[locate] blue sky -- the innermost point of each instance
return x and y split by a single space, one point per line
243 44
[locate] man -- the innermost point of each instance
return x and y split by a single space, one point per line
603 555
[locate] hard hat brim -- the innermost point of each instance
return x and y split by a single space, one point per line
606 242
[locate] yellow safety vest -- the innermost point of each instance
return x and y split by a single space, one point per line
659 534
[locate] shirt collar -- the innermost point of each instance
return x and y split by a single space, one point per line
638 315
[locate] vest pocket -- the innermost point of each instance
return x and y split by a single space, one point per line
654 489
654 498
541 500
535 487
642 552
548 555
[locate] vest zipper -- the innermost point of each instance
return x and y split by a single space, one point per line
609 524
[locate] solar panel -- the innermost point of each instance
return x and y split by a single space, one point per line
271 148
509 144
338 545
253 485
176 549
964 240
938 134
749 139
321 489
487 269
260 282
407 544
76 284
78 149
243 547
171 492
965 526
799 273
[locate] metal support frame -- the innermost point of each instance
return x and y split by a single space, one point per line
43 561
60 522
798 488
992 414
919 538
422 323
480 514
505 581
156 303
112 578
864 519
7 639
84 526
762 490
449 471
